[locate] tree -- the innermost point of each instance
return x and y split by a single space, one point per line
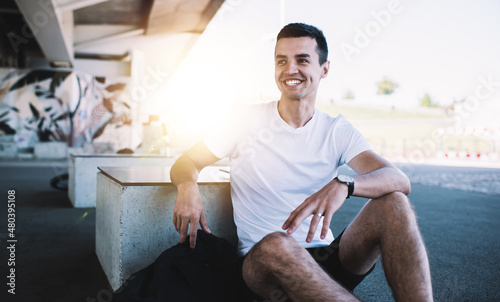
386 86
426 101
349 95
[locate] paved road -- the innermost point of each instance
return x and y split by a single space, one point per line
483 180
463 178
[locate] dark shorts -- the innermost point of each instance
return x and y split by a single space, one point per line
328 258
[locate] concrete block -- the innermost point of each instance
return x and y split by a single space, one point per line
8 146
8 150
82 170
134 223
51 150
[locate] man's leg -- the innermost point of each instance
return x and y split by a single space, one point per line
278 261
388 226
385 225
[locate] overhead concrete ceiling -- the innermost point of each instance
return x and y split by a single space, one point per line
59 33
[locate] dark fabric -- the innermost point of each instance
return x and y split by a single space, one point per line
327 257
209 272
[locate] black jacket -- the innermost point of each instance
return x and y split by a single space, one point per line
209 272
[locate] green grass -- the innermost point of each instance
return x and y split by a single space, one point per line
406 134
377 124
353 113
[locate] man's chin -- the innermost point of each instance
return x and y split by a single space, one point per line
292 96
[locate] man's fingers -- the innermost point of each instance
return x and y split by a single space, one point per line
297 220
203 223
193 229
327 219
287 223
291 224
177 223
183 230
294 214
192 226
312 228
174 221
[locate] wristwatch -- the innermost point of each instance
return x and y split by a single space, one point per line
349 181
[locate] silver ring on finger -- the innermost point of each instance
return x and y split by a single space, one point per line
318 214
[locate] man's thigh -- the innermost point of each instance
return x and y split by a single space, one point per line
360 247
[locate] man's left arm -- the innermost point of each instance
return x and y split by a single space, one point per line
376 177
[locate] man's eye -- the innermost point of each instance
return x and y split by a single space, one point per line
281 62
302 61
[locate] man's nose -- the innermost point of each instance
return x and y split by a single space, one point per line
291 68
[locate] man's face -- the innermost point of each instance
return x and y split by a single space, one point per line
297 69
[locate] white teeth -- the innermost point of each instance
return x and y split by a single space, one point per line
292 82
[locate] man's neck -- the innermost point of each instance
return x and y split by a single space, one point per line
296 113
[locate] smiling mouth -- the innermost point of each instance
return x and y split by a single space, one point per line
292 82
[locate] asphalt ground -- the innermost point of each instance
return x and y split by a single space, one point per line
55 250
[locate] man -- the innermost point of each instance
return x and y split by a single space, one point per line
284 159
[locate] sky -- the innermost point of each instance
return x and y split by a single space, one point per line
444 48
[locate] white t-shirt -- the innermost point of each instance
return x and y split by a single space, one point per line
275 167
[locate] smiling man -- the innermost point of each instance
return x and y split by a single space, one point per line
285 188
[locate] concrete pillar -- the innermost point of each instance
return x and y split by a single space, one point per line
134 223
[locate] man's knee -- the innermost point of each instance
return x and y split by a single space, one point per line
276 243
274 249
393 206
267 256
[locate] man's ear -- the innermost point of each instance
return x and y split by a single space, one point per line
325 68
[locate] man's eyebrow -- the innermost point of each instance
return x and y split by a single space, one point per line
300 55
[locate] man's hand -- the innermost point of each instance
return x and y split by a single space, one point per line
325 202
188 210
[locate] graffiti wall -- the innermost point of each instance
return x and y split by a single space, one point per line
69 106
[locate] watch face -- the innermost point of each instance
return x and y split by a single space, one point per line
345 178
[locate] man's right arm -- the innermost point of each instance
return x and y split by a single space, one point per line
188 209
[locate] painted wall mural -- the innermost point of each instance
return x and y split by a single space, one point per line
70 106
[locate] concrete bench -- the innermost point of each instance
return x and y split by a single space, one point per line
82 169
134 215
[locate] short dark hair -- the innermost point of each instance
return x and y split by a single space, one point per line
298 30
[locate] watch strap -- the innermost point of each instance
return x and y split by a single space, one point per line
350 188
